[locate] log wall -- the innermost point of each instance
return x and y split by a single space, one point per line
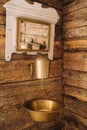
17 86
75 64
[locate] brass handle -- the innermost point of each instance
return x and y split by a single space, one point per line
31 64
32 69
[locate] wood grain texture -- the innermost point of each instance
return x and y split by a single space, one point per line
74 5
2 42
18 93
68 126
2 19
73 14
76 23
76 33
75 61
75 78
2 30
19 70
58 49
74 121
73 105
15 119
76 92
78 44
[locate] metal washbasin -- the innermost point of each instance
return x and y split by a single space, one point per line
43 110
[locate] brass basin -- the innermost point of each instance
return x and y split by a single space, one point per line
43 110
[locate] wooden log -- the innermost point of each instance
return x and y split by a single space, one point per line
57 53
2 30
76 23
74 78
19 70
2 9
2 47
76 44
18 93
76 92
55 91
74 5
68 126
76 106
75 33
75 61
2 42
20 99
2 19
56 68
58 49
15 119
28 128
34 127
75 73
75 120
14 71
58 44
73 15
46 126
